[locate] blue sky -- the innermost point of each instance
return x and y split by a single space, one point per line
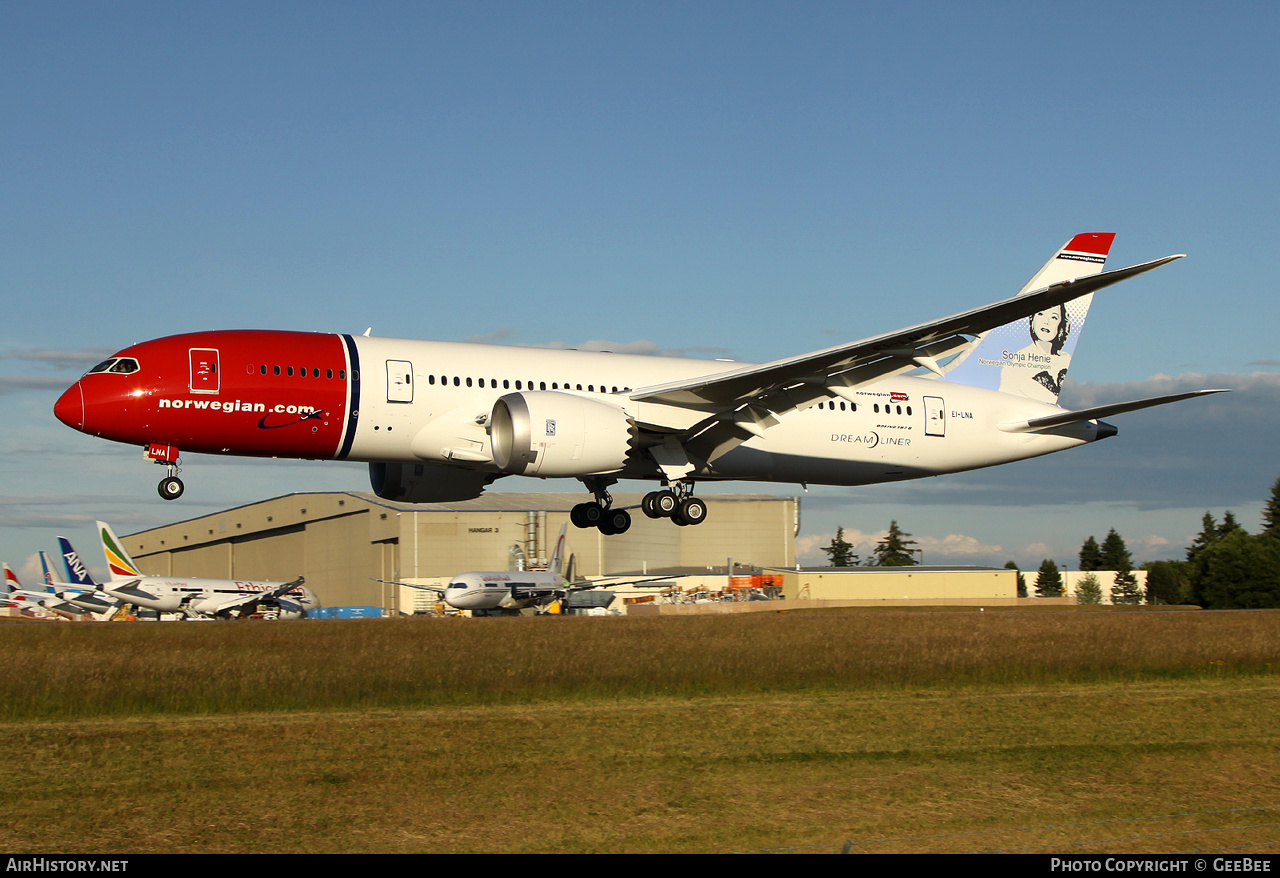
750 180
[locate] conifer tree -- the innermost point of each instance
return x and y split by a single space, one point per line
1022 580
1090 555
1208 534
1115 556
894 550
1048 580
1089 590
1271 513
840 551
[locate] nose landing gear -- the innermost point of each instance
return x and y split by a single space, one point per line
170 487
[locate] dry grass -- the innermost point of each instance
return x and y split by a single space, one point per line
89 670
753 733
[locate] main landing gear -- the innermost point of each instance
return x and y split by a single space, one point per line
676 503
600 512
680 505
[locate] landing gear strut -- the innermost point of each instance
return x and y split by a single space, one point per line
675 502
600 512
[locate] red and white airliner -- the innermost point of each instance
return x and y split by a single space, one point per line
440 421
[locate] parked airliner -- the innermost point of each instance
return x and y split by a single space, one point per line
440 421
486 591
198 598
78 591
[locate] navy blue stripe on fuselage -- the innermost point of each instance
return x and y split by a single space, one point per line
353 400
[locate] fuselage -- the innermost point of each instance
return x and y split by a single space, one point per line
205 597
343 397
492 590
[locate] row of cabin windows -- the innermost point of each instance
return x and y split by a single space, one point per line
301 371
852 407
508 384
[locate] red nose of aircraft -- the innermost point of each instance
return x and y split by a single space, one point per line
70 407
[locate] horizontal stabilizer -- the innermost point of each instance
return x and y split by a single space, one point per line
1101 411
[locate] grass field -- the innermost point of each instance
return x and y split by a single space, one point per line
899 731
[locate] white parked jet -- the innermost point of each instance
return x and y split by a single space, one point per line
484 591
440 421
16 596
198 598
79 593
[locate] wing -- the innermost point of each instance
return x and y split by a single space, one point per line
246 604
743 402
1102 411
438 589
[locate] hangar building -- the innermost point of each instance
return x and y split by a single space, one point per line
344 542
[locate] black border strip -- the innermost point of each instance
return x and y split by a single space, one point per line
353 397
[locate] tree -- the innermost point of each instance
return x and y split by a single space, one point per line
1271 513
1115 556
1022 580
1238 571
1089 590
1166 582
894 550
1229 525
1208 534
1048 580
1090 555
840 551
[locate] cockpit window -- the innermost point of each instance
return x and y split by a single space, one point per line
119 365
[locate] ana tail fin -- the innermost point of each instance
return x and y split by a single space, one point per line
77 572
1030 357
118 561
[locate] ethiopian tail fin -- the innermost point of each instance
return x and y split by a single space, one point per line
1030 356
118 561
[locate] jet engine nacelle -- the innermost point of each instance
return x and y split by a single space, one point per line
426 482
553 434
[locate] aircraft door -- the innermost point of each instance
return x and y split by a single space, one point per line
399 381
204 370
935 416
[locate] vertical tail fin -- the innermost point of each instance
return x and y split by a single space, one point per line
46 569
77 572
556 565
118 560
11 582
1030 357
